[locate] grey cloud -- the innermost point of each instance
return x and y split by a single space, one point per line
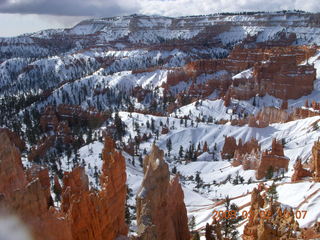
68 7
105 8
194 7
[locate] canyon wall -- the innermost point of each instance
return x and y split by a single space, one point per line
161 212
84 213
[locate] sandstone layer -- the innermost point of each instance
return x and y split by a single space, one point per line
85 214
161 212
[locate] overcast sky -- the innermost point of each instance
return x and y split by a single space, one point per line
22 16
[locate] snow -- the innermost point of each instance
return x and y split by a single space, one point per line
244 74
77 69
299 137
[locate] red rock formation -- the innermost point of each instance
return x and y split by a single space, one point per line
53 115
29 196
85 214
57 120
113 181
233 150
230 145
12 176
280 77
14 138
299 172
247 155
271 115
177 209
316 161
49 120
276 227
159 214
312 232
41 148
274 158
36 172
275 70
164 130
97 215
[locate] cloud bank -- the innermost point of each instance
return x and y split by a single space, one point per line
106 8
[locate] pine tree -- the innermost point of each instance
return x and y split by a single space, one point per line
152 125
272 194
140 160
198 180
229 224
208 232
181 152
120 126
169 146
192 223
196 235
174 170
269 174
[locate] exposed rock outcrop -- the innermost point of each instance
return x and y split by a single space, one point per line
299 172
273 70
53 115
232 149
276 226
84 215
58 121
250 156
28 194
273 159
229 147
312 232
316 161
159 214
97 215
11 171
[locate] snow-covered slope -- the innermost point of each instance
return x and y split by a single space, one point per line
121 66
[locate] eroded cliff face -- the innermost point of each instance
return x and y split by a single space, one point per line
274 227
232 149
11 171
249 155
57 120
27 195
159 214
273 159
248 72
300 172
97 215
85 214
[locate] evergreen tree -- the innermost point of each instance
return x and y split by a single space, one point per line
269 174
196 235
169 146
229 223
174 170
152 125
272 194
120 127
209 232
198 180
192 223
181 152
140 160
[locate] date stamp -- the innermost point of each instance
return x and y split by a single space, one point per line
263 214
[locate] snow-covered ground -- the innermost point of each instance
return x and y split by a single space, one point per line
299 137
